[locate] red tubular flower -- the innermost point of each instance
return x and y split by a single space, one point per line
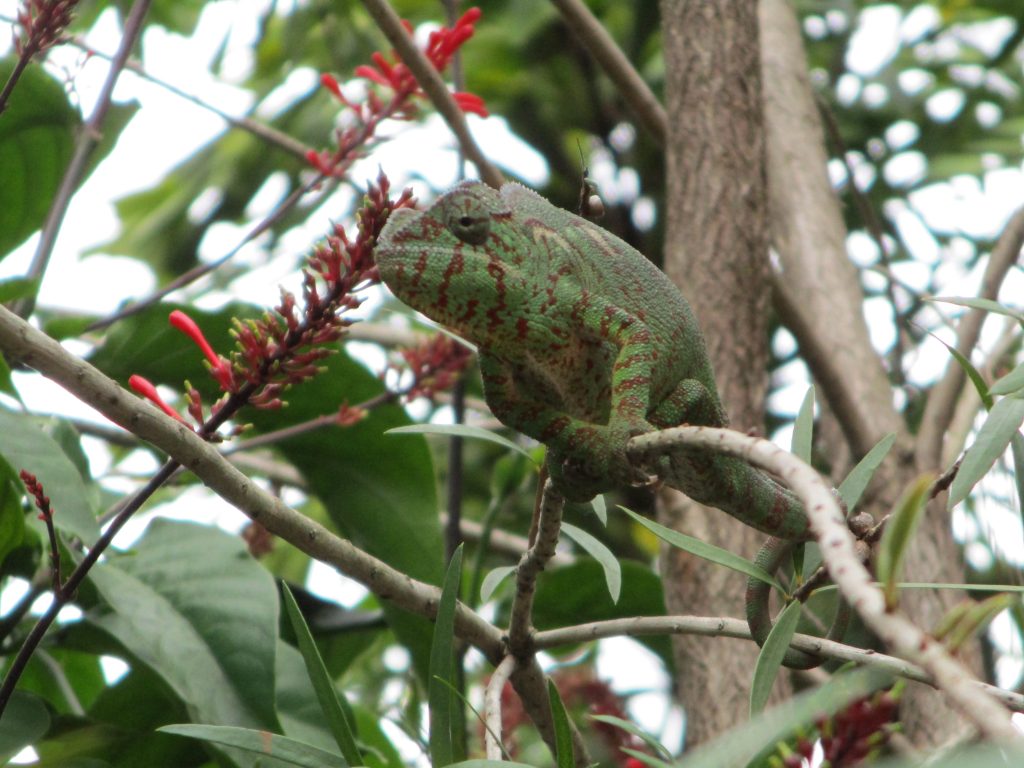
218 367
35 489
471 103
145 388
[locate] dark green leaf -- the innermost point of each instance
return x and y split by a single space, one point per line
444 719
604 556
769 660
262 743
331 707
460 430
898 533
37 135
25 720
853 486
704 550
563 730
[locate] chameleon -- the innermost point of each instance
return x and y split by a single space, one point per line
583 343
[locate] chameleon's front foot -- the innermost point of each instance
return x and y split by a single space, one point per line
597 463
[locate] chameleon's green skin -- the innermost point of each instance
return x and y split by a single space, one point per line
583 343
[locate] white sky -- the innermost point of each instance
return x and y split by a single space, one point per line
168 129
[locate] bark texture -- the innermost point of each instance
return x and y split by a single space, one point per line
717 253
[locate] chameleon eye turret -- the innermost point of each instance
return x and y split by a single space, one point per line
470 229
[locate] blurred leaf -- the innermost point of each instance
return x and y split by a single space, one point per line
984 304
563 731
604 556
460 430
37 135
993 438
26 446
445 708
330 705
769 659
493 579
600 509
1009 383
17 288
577 593
803 428
24 721
898 533
655 745
704 550
853 486
972 373
190 603
262 743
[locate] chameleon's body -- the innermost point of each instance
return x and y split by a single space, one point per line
583 342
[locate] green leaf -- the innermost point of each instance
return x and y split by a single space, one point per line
444 720
803 428
489 764
460 430
17 288
604 556
769 660
972 373
736 747
993 438
290 751
600 509
326 695
898 533
704 550
26 446
563 731
1017 449
851 489
493 579
986 305
1010 383
190 603
655 745
37 135
25 720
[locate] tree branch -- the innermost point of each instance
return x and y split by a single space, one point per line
838 551
432 84
492 708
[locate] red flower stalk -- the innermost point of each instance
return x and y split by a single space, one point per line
42 23
435 365
145 388
35 489
391 73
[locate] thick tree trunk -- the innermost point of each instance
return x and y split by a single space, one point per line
717 253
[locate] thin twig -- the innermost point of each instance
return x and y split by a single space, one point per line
492 707
430 81
88 139
632 87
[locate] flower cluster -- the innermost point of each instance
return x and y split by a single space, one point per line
852 737
284 347
35 489
42 23
435 365
391 73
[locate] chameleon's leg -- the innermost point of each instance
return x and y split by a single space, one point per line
770 557
724 482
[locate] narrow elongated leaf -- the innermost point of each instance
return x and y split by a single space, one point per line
1009 383
604 556
704 550
898 533
984 304
600 509
976 378
563 731
993 438
26 446
769 660
493 579
274 745
1017 447
637 731
334 712
736 747
460 430
851 489
443 718
803 428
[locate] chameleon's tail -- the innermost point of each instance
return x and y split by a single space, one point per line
735 487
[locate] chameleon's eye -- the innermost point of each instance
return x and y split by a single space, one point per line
470 229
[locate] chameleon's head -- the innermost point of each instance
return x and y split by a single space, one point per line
451 262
